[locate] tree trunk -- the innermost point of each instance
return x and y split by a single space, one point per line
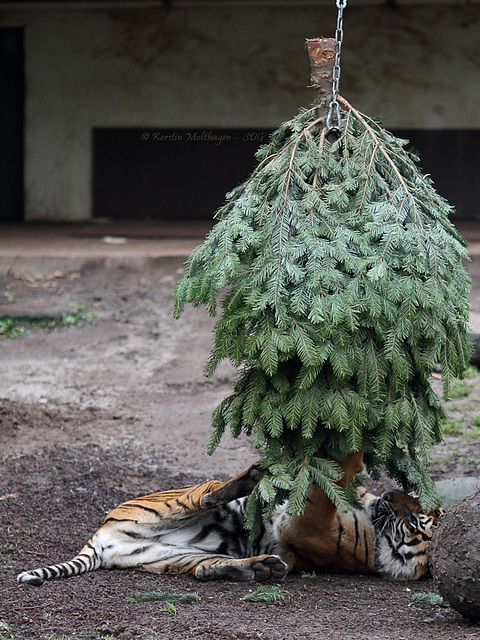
321 52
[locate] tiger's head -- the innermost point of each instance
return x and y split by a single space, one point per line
403 535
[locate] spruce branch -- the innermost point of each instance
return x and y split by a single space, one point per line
342 286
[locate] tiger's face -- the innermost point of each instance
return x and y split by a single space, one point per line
403 535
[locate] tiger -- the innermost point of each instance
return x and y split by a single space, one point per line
199 530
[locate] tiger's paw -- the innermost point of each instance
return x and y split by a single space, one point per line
244 570
270 568
30 578
238 487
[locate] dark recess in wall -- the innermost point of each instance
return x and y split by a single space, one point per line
175 174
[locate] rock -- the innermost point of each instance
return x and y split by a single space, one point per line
475 341
455 557
453 490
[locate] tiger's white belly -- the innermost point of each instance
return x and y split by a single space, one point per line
219 531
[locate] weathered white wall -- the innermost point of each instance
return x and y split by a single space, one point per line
210 66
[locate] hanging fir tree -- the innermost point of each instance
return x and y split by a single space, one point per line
342 287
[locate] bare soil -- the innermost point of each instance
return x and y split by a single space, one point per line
94 414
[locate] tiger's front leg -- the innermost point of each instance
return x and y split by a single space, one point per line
211 566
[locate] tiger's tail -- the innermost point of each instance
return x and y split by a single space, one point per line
88 559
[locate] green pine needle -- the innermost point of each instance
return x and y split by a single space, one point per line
272 594
430 598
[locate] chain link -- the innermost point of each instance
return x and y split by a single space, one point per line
333 117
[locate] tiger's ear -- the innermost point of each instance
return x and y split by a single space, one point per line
438 513
238 487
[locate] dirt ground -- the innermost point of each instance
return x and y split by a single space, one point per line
95 413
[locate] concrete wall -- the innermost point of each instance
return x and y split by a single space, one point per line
214 66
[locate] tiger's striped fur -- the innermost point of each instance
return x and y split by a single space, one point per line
199 530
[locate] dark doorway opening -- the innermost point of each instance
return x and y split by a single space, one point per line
12 99
451 157
183 174
169 174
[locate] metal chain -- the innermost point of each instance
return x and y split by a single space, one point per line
333 117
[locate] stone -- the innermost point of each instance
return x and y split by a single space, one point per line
454 557
452 490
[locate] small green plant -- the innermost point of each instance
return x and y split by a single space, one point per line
12 327
312 574
471 372
462 388
170 598
473 433
453 427
5 631
430 598
476 421
8 328
458 428
168 607
266 594
77 312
